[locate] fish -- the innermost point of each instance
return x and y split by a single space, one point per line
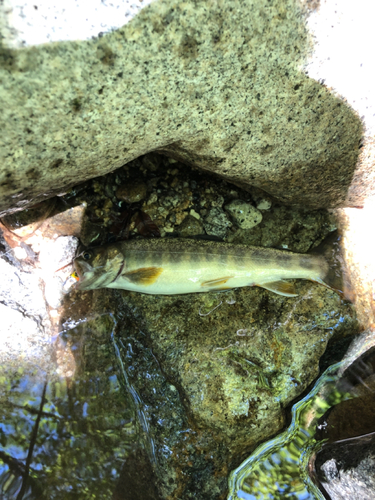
181 266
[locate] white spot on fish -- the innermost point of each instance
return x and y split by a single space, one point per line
194 280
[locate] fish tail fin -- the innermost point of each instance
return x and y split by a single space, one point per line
334 274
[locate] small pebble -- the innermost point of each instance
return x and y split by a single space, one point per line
218 201
264 204
190 227
243 214
153 199
193 213
180 217
133 192
260 198
217 223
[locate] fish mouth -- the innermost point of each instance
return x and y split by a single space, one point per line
84 271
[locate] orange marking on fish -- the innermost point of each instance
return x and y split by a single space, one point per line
144 275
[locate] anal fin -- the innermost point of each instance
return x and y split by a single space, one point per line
143 275
280 287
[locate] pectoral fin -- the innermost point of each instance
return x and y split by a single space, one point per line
217 282
280 287
143 275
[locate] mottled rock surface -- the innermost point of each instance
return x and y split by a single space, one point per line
218 85
210 384
208 375
133 193
190 227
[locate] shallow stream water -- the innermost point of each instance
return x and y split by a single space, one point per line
284 466
65 437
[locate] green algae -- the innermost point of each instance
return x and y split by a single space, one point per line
212 373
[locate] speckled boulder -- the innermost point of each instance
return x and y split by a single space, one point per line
216 85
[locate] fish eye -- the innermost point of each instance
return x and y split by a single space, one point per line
86 255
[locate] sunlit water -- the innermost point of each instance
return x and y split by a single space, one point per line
63 439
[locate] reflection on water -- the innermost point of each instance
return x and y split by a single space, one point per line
281 467
64 438
143 421
277 469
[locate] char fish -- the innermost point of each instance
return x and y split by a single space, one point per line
180 266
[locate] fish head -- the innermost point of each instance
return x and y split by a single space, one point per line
97 267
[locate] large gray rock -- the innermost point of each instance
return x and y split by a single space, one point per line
218 86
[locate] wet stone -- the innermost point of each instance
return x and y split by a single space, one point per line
212 375
190 227
260 198
264 204
91 233
217 223
132 192
347 469
243 214
285 227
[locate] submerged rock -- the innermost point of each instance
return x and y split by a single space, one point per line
217 223
190 226
132 193
289 228
210 384
292 461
